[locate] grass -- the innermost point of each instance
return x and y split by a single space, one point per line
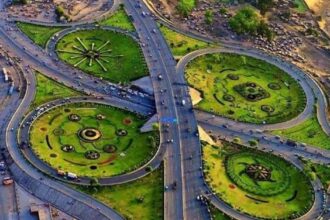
321 171
119 19
278 206
37 33
237 164
309 132
301 6
54 129
186 6
181 44
138 200
48 90
217 214
223 78
122 59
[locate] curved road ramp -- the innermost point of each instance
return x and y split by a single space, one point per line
77 205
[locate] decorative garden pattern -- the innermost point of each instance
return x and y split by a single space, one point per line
257 183
245 89
113 56
92 140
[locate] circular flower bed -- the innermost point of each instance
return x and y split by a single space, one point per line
274 86
74 117
67 148
89 134
92 155
233 76
121 132
110 148
100 117
127 121
228 98
58 131
267 108
257 174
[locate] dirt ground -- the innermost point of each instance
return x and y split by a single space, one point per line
321 8
82 9
204 136
195 96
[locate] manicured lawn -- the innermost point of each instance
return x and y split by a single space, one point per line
119 19
37 33
301 6
48 90
113 56
309 132
245 89
87 130
138 200
297 196
181 44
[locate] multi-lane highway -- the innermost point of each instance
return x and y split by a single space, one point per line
180 147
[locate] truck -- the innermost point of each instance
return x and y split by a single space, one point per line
72 176
60 173
5 74
7 181
11 89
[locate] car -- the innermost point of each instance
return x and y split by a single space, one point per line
174 185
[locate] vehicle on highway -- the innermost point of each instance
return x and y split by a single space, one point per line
7 181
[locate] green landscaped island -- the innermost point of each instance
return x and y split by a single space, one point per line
48 90
256 183
141 199
37 33
181 44
309 132
92 140
106 54
245 89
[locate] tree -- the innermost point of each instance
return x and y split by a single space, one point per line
208 17
94 182
247 21
264 5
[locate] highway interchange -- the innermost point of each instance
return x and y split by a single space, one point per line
177 145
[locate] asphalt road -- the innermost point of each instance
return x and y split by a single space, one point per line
183 174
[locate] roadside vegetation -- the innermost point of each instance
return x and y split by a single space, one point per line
217 214
92 140
106 54
48 90
318 170
248 21
181 44
245 89
138 200
186 6
289 191
119 19
300 6
309 132
37 33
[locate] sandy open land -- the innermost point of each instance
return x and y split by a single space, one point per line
204 136
82 9
195 96
321 8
